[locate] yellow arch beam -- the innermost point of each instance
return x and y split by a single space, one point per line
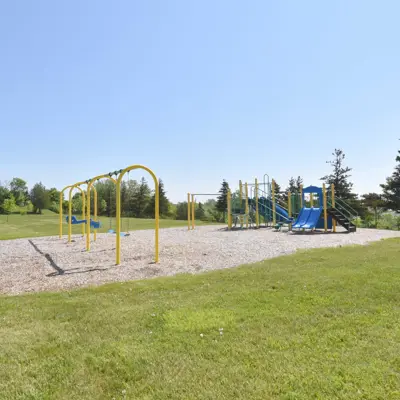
118 211
61 206
89 187
75 186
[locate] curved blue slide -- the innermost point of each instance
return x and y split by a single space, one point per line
308 218
265 205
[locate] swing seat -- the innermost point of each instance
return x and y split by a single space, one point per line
122 234
95 224
75 221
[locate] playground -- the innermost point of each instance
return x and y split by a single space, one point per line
52 264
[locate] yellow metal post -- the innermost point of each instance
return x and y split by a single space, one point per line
156 211
89 187
188 210
301 196
333 206
290 208
240 202
95 213
273 203
256 200
311 200
325 210
61 210
83 213
193 211
72 187
246 204
229 204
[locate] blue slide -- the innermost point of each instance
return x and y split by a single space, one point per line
265 208
308 218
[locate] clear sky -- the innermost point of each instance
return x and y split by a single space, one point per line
198 90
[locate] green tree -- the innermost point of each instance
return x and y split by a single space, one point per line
182 210
9 205
141 199
279 196
4 194
340 176
391 189
54 195
19 190
39 197
200 213
222 203
299 183
374 202
163 201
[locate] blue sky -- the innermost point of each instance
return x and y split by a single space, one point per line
198 91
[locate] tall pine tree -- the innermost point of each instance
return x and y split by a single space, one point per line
340 176
163 201
222 203
391 189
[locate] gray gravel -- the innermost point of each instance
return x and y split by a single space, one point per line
51 264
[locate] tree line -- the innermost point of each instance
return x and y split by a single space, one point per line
137 198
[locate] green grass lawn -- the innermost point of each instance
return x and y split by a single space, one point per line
323 324
47 224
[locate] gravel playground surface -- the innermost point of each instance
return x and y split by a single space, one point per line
51 264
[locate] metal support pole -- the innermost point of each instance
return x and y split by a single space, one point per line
246 204
188 210
193 207
290 209
229 203
256 200
240 201
301 196
333 206
325 210
273 203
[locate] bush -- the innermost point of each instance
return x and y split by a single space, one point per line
23 211
389 221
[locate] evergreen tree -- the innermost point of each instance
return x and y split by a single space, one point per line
391 189
39 197
181 210
279 196
163 201
340 176
141 199
222 203
200 214
299 183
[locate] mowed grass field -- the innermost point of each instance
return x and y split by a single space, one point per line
322 324
47 224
